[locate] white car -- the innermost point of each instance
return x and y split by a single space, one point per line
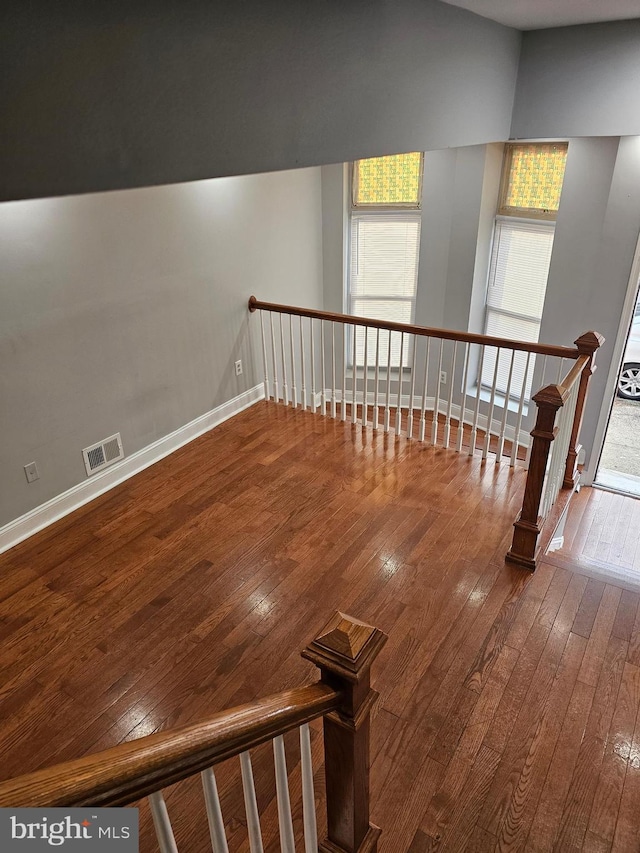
629 379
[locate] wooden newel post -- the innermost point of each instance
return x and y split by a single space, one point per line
527 527
344 652
587 344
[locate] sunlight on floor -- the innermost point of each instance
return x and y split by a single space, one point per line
619 468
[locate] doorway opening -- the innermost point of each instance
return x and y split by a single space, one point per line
619 466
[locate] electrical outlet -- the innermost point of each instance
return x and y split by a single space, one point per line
443 377
31 472
239 367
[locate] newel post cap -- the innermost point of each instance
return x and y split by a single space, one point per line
346 647
589 342
549 396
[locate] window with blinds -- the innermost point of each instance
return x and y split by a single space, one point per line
532 178
518 274
383 278
384 245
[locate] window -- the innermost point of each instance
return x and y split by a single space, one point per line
521 255
384 246
532 178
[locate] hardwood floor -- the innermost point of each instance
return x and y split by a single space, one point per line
508 716
602 537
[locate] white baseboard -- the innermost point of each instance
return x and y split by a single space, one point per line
45 514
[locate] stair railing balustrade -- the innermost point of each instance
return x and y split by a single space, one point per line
462 391
344 651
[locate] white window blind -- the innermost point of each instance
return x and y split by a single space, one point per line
383 278
518 274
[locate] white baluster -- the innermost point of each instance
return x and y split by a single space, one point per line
308 798
463 405
333 369
276 393
413 388
294 390
313 368
388 388
250 804
376 411
544 371
423 405
487 435
282 792
551 482
264 358
285 386
436 405
452 373
505 412
343 408
354 381
323 390
516 438
476 411
162 824
365 379
559 376
304 368
214 812
399 406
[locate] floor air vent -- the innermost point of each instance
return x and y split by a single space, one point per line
103 454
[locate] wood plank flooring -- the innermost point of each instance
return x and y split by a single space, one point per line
508 713
602 537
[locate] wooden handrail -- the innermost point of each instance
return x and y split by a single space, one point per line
425 331
588 345
132 770
572 376
344 651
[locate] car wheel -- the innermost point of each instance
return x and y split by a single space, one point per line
629 382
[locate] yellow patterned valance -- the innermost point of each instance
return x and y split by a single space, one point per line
533 178
393 181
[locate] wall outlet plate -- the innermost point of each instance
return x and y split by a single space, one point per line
31 472
239 367
443 377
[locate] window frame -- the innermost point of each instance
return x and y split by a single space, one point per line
505 213
397 210
548 226
413 215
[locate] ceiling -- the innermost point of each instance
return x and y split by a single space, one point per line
540 14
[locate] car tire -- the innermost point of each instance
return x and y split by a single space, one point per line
629 381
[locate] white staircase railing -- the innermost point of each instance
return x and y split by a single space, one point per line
453 389
458 390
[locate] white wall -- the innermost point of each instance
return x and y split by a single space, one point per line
125 311
97 96
579 81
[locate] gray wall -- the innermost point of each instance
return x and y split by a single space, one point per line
579 81
125 311
99 95
596 236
